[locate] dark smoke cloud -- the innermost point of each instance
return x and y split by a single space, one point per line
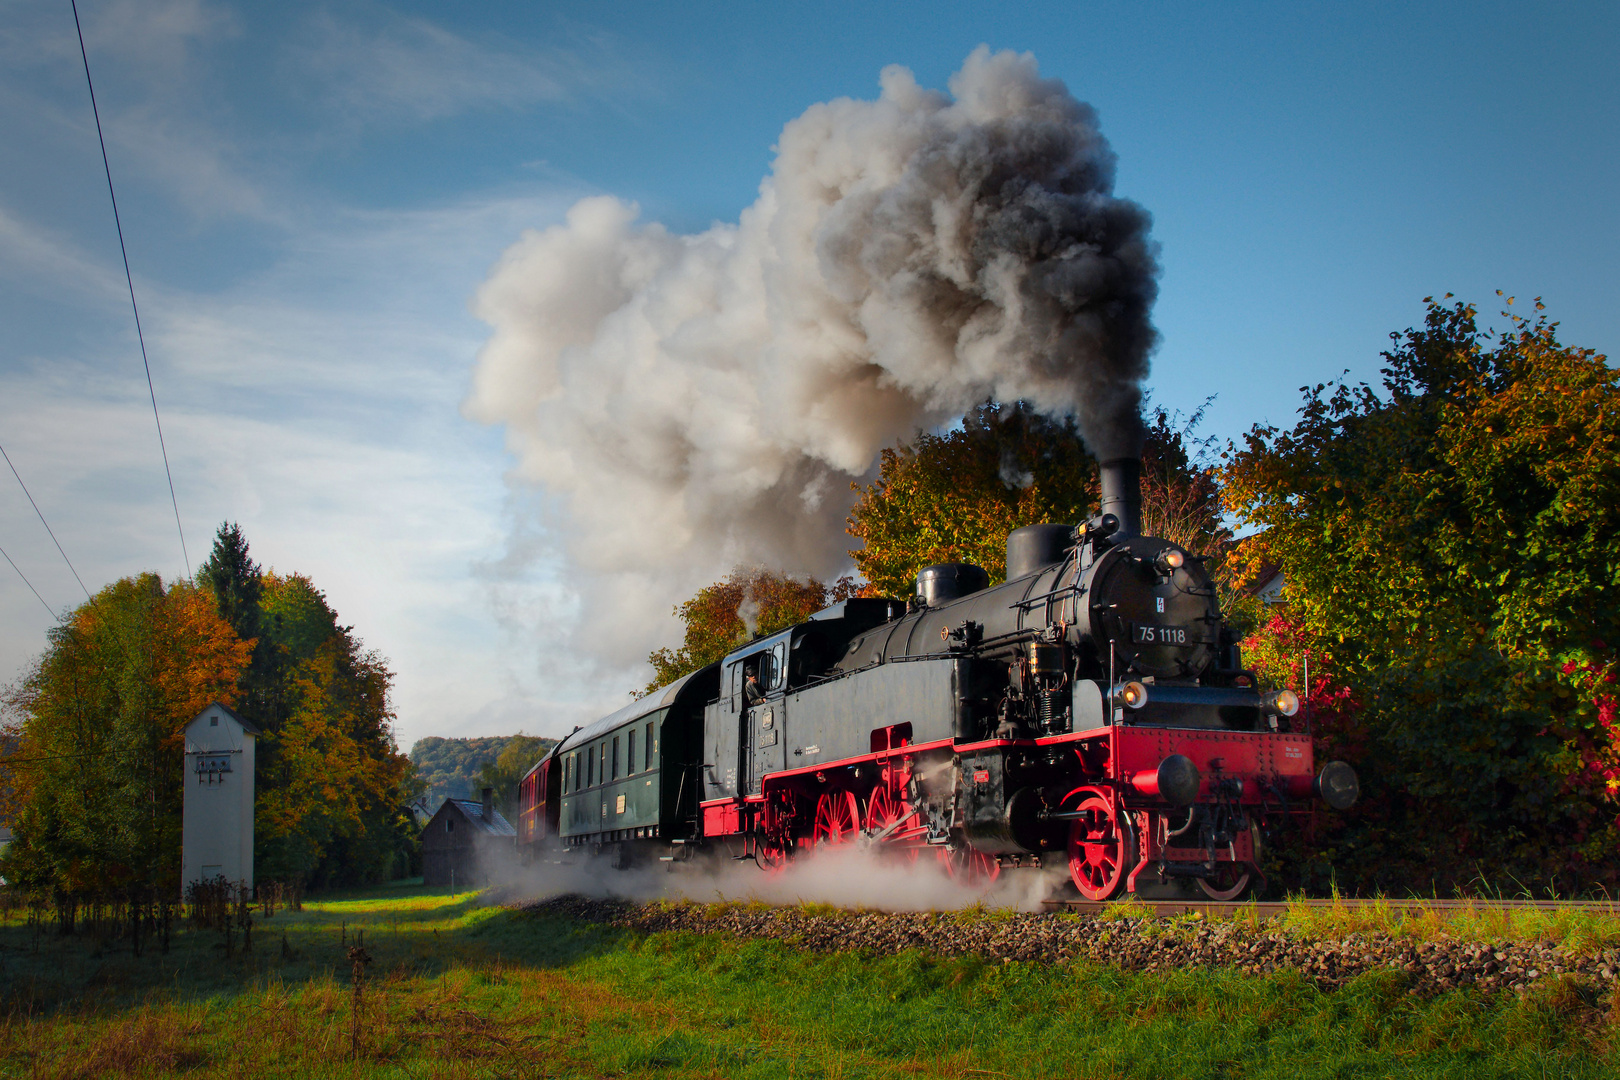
694 402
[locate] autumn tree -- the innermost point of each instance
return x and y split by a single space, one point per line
750 602
98 744
954 496
331 781
1181 490
1452 546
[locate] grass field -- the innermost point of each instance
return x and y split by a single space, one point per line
459 990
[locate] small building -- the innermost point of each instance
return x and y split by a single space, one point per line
1267 584
466 843
216 837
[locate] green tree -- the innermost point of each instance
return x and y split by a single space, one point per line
449 768
98 743
234 580
520 754
1452 546
236 583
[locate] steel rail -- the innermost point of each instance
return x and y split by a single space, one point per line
1276 909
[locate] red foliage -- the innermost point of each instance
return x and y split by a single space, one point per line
1281 653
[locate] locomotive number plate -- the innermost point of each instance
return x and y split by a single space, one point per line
1143 634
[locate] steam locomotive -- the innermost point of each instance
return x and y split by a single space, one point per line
1092 710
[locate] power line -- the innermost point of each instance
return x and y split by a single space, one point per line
43 522
131 281
28 583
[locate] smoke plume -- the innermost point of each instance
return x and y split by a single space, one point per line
692 402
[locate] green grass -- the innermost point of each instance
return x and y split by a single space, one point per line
1482 920
456 990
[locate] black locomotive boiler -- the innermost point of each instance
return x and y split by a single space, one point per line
1093 709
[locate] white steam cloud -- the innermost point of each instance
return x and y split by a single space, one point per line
851 875
696 402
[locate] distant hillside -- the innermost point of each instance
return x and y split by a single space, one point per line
450 766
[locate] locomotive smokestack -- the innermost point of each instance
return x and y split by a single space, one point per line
1121 486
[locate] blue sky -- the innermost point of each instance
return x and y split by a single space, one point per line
312 194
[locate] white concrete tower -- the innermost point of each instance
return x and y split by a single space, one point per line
217 822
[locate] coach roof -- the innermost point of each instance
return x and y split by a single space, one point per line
659 699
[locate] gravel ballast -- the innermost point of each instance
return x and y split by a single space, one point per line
1133 944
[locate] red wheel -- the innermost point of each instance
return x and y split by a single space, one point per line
886 823
968 866
773 848
838 818
1102 849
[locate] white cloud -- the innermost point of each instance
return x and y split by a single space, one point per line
309 372
36 259
317 406
414 69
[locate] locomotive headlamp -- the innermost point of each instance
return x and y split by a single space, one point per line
1169 561
1283 703
1132 695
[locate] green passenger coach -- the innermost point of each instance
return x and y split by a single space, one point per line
633 775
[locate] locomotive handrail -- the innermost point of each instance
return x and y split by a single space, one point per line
1046 598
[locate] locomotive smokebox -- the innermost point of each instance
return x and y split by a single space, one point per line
1120 481
1035 546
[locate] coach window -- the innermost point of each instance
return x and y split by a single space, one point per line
590 766
615 757
576 770
630 752
647 761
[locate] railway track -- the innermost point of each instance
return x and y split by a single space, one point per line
1273 910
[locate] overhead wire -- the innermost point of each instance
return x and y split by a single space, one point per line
130 280
43 522
28 583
